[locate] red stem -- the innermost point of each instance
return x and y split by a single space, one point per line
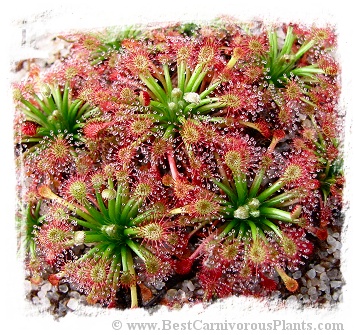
199 249
173 168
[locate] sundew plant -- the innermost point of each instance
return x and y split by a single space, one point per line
191 150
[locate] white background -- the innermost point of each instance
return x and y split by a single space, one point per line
50 16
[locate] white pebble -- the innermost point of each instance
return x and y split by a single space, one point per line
331 250
305 299
322 286
335 260
328 297
52 295
190 285
331 240
312 291
34 287
181 295
338 245
322 254
323 277
332 274
41 294
335 283
200 292
46 287
304 290
291 299
45 302
275 294
73 304
335 295
35 300
319 268
83 300
336 254
297 275
171 293
311 273
28 286
315 282
61 308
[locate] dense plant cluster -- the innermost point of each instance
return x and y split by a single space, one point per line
211 150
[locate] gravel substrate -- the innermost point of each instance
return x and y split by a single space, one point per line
321 280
